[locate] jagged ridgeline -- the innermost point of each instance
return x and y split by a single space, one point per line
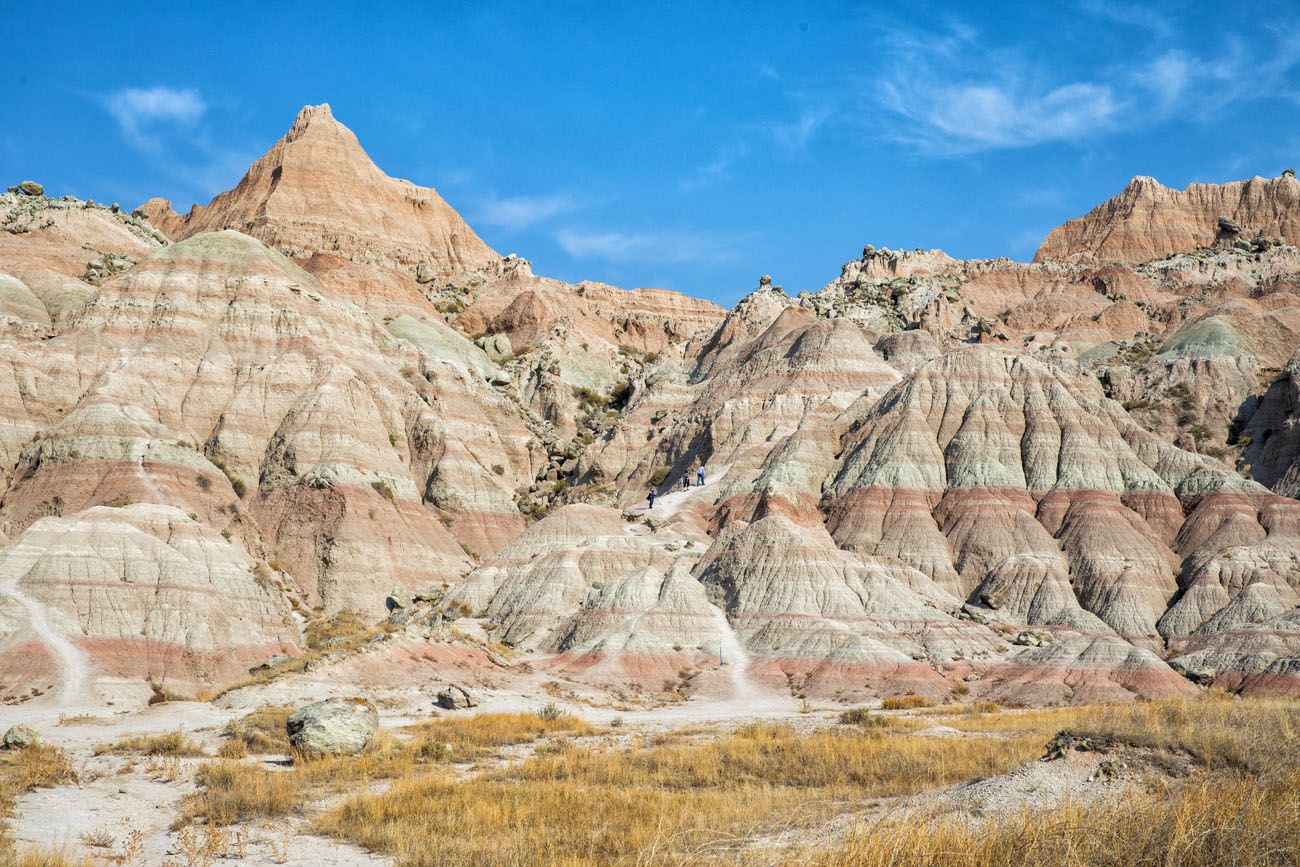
322 403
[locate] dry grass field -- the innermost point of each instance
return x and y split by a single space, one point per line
1212 782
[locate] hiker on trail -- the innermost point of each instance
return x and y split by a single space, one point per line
699 475
686 482
651 497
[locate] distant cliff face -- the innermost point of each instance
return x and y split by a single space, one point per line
1150 221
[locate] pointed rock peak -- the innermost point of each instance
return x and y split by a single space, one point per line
308 113
316 191
318 120
1143 183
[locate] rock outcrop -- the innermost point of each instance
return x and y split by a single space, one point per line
1150 221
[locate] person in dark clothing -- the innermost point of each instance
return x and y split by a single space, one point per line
686 482
651 497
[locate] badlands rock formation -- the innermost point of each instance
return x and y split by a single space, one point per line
317 194
1150 221
1067 480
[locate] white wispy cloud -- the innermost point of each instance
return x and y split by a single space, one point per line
718 169
140 111
518 212
955 90
664 247
797 133
975 116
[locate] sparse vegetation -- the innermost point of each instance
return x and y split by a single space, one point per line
383 489
481 733
336 629
651 803
21 771
166 744
589 398
905 702
341 632
261 731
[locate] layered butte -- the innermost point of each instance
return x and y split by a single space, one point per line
1065 480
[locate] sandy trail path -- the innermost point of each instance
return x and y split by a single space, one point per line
74 664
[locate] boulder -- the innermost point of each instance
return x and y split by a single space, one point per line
497 346
275 661
20 738
30 188
454 697
1031 638
334 727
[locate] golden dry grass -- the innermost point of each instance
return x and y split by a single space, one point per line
673 799
261 731
905 702
335 630
1215 821
474 735
166 744
670 800
1241 805
579 806
21 771
232 791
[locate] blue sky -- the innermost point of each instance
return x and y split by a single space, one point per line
693 146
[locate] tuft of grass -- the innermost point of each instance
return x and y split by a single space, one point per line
905 702
261 731
166 744
231 791
335 630
862 716
482 733
21 771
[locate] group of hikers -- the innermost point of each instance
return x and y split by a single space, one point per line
686 483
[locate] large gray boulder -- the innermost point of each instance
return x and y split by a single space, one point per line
455 697
20 738
334 727
497 347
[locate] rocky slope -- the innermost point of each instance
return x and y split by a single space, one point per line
1150 221
1068 480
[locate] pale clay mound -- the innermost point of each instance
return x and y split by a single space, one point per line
1069 480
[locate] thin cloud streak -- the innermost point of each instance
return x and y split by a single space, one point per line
948 93
520 212
664 247
140 111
